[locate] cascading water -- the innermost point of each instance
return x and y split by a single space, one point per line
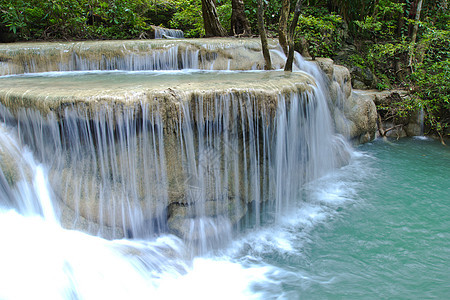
165 33
123 165
23 184
137 55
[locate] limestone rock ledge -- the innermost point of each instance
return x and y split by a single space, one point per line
93 92
354 112
397 127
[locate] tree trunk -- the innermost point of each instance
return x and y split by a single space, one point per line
262 34
401 20
239 21
400 59
414 33
290 59
211 20
282 28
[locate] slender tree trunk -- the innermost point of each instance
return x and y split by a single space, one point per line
211 20
282 27
414 33
262 34
398 59
290 59
239 21
375 9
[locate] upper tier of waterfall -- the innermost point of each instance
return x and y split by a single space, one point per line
205 54
166 33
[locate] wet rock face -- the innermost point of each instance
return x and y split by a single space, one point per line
354 113
14 169
363 79
119 91
216 54
362 114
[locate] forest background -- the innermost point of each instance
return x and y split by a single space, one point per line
387 44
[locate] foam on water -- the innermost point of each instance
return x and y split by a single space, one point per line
422 138
55 263
322 199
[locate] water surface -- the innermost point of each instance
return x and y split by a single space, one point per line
381 229
377 228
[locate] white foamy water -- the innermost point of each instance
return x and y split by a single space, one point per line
41 260
53 263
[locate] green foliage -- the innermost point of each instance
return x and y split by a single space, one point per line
189 18
321 31
431 80
160 12
381 59
120 18
224 12
384 82
357 60
386 53
40 19
271 13
68 19
382 31
13 18
398 109
382 24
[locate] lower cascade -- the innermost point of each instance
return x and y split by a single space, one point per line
186 161
156 168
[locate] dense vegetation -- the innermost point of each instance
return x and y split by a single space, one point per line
394 43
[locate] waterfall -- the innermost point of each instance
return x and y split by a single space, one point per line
120 168
175 164
420 119
165 33
23 184
135 55
172 58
